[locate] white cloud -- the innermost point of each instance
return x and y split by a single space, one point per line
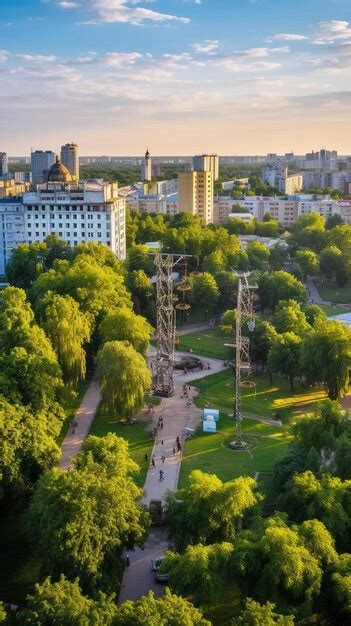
3 55
122 11
286 37
206 47
38 58
65 4
336 30
121 59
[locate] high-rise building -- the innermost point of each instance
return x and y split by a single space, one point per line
3 164
70 158
41 161
12 230
195 192
146 167
207 163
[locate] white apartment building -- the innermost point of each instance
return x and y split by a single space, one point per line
77 212
277 176
157 204
41 162
12 228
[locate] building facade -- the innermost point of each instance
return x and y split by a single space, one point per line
3 164
207 163
195 194
278 177
146 167
41 162
12 228
70 159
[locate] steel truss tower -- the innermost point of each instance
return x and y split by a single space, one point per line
244 314
165 263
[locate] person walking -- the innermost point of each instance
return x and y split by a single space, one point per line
146 457
153 461
162 474
127 560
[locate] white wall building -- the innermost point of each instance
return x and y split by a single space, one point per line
77 212
41 162
12 228
207 163
146 167
278 177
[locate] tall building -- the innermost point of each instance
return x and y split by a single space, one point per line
195 193
41 161
3 164
76 211
278 177
207 163
146 167
12 230
70 158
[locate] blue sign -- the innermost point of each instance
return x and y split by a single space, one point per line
209 426
211 413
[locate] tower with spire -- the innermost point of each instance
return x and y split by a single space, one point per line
146 167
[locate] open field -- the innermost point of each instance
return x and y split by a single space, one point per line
267 442
330 291
209 342
332 310
140 441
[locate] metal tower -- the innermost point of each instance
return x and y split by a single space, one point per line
165 263
244 314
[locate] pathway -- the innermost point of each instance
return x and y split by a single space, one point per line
138 578
313 293
83 418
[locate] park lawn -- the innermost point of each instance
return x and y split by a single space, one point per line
330 291
209 342
330 310
20 568
267 442
140 441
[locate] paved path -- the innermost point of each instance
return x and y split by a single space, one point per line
313 293
84 416
138 578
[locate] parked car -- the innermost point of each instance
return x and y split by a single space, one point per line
161 577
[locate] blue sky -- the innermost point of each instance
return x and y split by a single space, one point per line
182 76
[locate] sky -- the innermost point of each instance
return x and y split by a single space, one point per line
179 76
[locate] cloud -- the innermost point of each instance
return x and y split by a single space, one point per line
38 58
121 59
122 11
329 32
206 47
286 37
4 55
64 4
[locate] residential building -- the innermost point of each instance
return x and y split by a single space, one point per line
12 228
207 163
3 164
158 204
228 185
195 194
278 177
41 161
23 177
146 167
10 187
70 159
76 211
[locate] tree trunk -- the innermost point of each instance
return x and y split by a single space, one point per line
292 383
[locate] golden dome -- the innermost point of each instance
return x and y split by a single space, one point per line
58 173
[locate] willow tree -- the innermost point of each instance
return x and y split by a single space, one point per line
124 378
68 329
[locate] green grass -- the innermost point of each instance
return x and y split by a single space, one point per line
19 567
209 342
210 452
332 310
329 291
140 441
70 405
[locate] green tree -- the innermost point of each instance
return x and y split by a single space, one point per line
261 339
215 262
277 257
256 614
276 286
227 286
139 259
289 317
201 572
331 261
308 262
169 610
124 325
79 521
325 357
208 510
62 603
204 291
314 314
26 264
284 356
258 254
27 446
124 379
68 330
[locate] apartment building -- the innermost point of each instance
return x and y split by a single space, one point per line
195 194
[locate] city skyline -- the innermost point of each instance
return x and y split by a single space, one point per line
240 77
